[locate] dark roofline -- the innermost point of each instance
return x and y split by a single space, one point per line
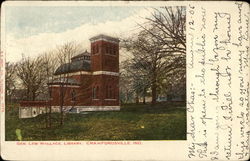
63 83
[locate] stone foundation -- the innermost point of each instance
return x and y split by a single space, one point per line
98 108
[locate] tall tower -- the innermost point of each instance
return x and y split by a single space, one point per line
105 68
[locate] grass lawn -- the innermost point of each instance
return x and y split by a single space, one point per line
133 122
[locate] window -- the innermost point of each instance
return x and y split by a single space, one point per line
110 92
110 49
106 46
95 92
93 51
113 91
107 91
113 49
73 95
97 48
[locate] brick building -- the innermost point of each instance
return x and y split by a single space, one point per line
90 82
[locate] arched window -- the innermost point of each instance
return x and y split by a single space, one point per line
113 90
110 92
73 95
107 91
93 51
95 92
114 50
106 47
97 48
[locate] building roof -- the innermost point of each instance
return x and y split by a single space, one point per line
74 66
85 55
104 37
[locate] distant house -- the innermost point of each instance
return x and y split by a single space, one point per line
90 82
170 98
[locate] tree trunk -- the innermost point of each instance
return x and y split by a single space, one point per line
28 94
61 107
153 94
46 116
61 120
46 110
127 96
50 107
144 96
33 96
153 88
50 124
137 98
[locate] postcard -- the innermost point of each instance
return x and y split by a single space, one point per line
124 80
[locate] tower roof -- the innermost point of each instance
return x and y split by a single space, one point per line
104 37
84 56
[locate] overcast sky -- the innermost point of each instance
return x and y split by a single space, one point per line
32 30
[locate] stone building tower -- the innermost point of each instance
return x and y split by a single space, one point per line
105 68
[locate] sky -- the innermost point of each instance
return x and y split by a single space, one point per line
32 30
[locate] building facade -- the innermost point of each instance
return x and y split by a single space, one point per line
90 82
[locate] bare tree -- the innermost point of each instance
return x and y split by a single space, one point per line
64 55
159 50
10 80
49 64
125 85
146 61
31 75
134 80
173 83
170 23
